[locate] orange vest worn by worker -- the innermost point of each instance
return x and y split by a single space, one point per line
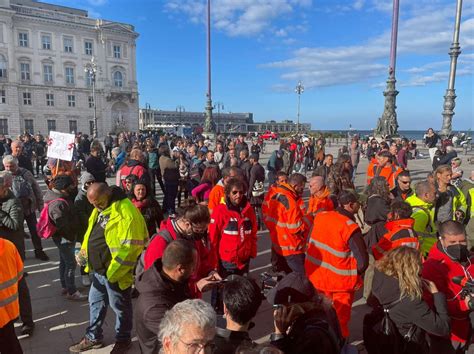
330 264
11 272
400 233
320 203
389 172
216 197
286 222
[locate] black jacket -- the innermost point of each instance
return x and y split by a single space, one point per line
158 294
408 312
377 210
96 167
228 341
63 215
84 210
257 174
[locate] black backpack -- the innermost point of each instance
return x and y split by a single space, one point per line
165 235
381 335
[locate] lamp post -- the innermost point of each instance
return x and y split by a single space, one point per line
450 97
147 116
299 89
387 124
208 121
91 69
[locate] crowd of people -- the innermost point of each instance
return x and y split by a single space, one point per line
409 247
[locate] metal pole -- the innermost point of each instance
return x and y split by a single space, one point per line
208 121
450 97
393 46
298 115
96 130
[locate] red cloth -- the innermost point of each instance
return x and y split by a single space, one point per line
233 235
440 269
157 246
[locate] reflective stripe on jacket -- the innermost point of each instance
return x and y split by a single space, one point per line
11 272
322 203
286 222
389 172
330 264
424 226
126 235
400 233
233 235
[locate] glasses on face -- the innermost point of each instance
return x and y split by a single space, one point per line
195 348
234 192
404 182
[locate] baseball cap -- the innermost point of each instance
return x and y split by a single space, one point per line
293 288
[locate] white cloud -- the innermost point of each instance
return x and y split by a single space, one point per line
97 2
422 34
237 18
358 4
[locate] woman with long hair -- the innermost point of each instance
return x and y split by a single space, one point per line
209 179
144 200
398 287
340 176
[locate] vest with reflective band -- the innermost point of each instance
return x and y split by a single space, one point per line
11 272
286 222
319 204
400 233
389 172
330 264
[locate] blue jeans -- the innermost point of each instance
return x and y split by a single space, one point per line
67 265
101 294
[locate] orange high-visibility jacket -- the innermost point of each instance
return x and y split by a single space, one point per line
216 197
389 172
11 272
400 233
286 222
330 264
321 203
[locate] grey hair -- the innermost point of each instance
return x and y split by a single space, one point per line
116 151
196 312
10 159
6 179
17 142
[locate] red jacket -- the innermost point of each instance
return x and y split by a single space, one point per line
440 269
133 167
157 246
233 235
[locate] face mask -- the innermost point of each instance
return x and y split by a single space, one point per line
458 252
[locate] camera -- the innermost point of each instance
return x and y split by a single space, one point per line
467 289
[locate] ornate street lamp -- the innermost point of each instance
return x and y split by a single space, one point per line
387 124
208 124
450 97
91 69
299 89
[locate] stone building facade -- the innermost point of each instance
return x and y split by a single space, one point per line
44 49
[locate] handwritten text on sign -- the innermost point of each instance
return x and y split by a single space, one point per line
60 145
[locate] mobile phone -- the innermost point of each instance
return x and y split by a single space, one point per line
277 306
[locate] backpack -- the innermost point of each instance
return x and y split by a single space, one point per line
22 190
165 235
45 226
381 335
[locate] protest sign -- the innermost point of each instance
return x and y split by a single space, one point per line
60 145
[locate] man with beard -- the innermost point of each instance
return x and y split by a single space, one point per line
161 287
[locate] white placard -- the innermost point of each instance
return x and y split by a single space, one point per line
60 145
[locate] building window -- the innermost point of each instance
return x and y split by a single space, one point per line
91 102
89 78
68 44
118 79
25 71
88 48
23 39
48 73
29 127
3 96
27 98
46 41
4 126
3 67
71 100
69 75
50 99
51 124
73 126
117 51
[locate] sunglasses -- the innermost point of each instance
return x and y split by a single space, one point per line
237 192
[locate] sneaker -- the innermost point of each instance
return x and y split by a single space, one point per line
85 344
86 281
77 296
121 347
28 329
39 254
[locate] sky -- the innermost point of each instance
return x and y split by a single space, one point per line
338 49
